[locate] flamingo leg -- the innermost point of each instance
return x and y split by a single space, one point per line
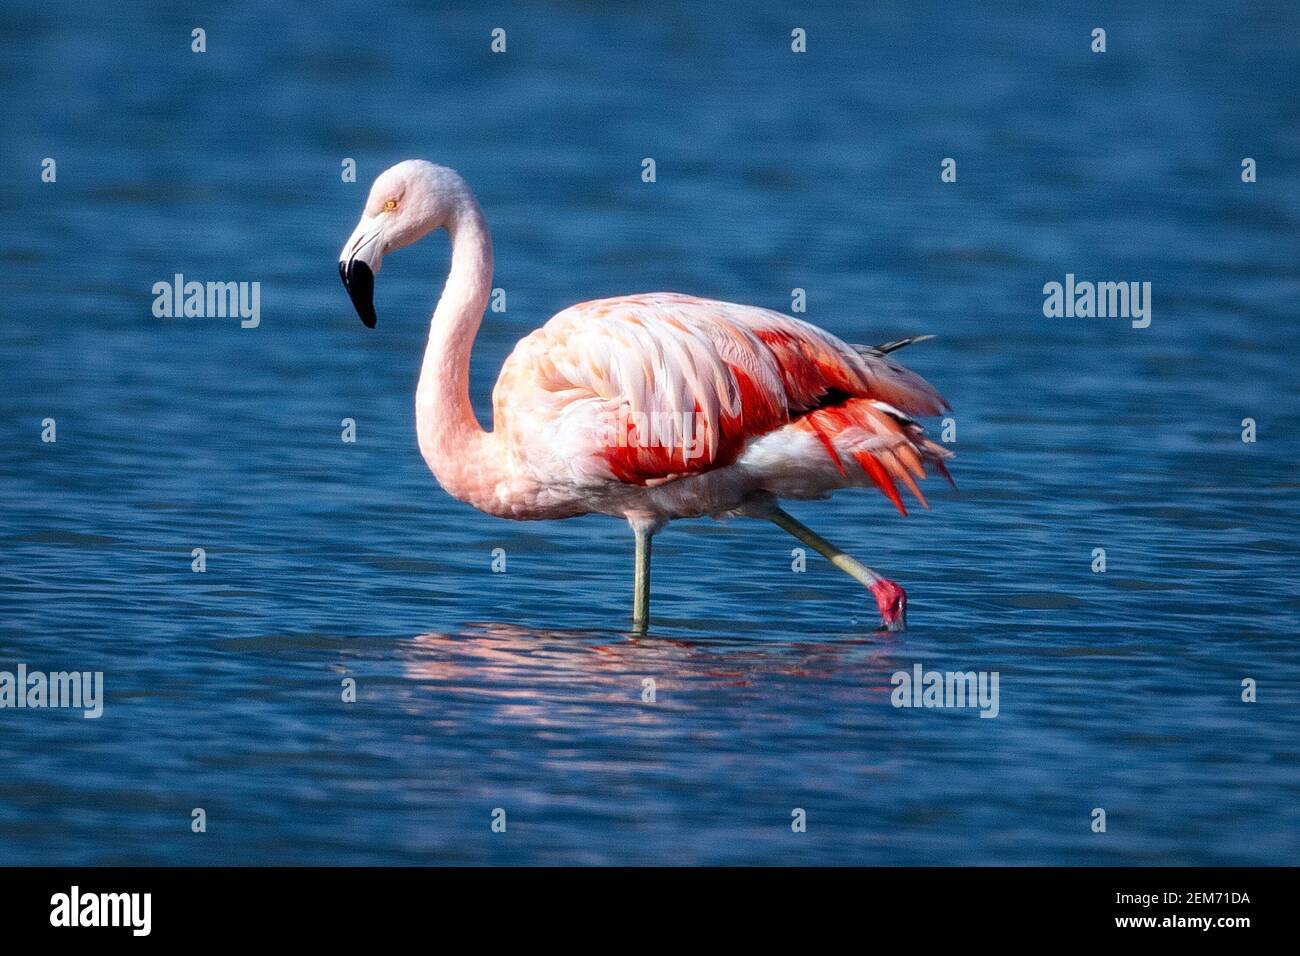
641 587
891 599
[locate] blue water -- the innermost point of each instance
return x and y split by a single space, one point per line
326 560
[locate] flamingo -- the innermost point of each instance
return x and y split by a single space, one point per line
646 407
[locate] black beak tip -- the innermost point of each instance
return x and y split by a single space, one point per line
360 283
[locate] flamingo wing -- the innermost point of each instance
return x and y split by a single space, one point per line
607 381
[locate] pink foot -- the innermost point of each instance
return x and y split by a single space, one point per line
892 601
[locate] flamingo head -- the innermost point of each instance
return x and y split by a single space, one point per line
892 601
407 202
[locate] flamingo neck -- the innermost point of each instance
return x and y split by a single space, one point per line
451 438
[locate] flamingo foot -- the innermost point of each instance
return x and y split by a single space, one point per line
892 601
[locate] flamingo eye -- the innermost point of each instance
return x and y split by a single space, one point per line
390 204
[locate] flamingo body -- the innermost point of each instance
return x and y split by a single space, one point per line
673 406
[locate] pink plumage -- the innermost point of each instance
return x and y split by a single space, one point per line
777 405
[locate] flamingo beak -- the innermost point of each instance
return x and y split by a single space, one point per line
358 263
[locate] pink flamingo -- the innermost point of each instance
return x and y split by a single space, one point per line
646 407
